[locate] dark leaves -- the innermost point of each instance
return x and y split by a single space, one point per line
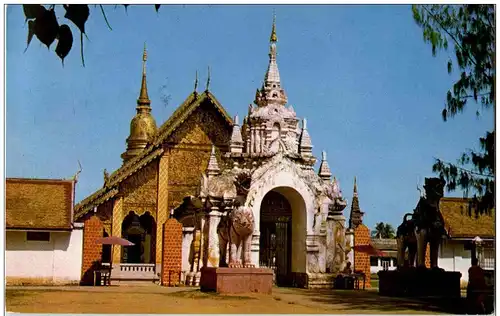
31 32
65 42
43 23
31 11
46 26
78 14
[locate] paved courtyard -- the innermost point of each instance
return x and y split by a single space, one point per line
149 299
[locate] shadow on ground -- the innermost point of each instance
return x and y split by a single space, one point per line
371 300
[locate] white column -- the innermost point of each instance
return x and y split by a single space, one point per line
262 138
252 141
255 248
248 137
257 139
213 254
202 243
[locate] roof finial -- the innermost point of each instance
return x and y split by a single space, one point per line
324 169
355 187
196 82
144 58
208 79
274 37
143 95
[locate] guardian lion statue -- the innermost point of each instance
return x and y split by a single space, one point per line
237 227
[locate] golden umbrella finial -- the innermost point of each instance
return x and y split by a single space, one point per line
144 58
143 95
274 37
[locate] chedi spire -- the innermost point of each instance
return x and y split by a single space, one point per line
143 125
271 91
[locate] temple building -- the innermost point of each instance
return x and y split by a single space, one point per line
187 169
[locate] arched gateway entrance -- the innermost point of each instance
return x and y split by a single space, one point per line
282 228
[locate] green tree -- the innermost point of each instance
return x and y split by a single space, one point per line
470 29
383 230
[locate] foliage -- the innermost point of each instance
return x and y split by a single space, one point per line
383 230
471 30
43 23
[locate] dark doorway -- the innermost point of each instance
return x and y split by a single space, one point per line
106 250
142 232
276 237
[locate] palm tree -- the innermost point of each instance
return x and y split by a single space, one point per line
383 230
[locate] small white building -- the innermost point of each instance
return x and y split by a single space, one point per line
464 228
43 245
389 260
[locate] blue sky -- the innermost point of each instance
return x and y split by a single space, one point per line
361 74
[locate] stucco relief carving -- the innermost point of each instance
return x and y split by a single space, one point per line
339 247
266 173
273 112
313 263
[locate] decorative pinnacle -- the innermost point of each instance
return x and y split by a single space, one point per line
143 95
236 119
196 82
304 123
213 167
355 187
274 37
324 168
144 59
208 79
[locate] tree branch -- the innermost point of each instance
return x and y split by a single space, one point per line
466 170
447 32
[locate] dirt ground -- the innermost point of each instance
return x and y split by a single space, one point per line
153 299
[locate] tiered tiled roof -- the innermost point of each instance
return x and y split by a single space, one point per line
39 204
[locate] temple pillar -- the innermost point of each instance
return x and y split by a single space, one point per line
335 256
213 254
350 244
257 139
247 140
161 206
252 140
255 248
117 228
200 262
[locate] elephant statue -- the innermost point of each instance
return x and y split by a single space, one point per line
429 222
406 239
